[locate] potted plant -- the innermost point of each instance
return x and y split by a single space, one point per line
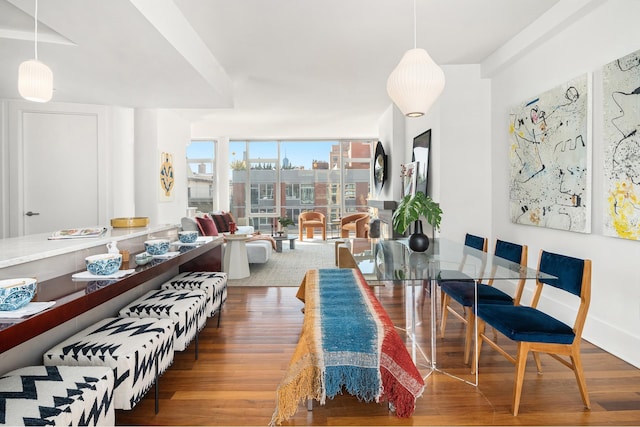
284 223
409 210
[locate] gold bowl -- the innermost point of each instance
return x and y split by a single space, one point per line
137 221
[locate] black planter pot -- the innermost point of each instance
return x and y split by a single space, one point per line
418 241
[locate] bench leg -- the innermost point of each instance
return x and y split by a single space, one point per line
197 333
219 316
157 386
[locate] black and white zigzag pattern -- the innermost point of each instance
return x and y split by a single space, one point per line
213 283
57 395
186 308
130 346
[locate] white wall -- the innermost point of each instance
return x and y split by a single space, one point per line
122 166
462 172
460 161
391 133
4 170
584 46
158 131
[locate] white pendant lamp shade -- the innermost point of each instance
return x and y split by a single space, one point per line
35 81
415 83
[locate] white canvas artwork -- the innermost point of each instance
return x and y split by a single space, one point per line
550 157
621 114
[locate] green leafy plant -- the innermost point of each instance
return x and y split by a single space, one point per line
411 208
285 221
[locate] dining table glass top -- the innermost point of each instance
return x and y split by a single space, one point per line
445 259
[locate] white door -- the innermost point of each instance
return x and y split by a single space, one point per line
60 166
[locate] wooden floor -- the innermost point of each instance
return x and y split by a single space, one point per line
241 364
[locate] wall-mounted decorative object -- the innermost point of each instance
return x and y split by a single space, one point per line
166 176
550 158
421 150
409 173
379 167
621 111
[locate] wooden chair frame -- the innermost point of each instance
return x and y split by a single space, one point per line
555 350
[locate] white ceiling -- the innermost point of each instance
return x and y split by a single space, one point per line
235 60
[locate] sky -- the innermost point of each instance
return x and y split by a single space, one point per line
299 153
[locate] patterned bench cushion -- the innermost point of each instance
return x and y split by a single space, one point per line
129 346
57 395
213 283
185 307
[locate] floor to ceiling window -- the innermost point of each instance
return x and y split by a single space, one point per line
201 175
271 179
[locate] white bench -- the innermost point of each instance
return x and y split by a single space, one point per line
214 284
187 309
57 395
138 350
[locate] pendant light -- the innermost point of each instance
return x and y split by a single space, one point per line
35 79
417 81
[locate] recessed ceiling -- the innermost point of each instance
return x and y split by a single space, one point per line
232 59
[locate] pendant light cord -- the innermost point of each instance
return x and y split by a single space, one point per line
35 18
415 25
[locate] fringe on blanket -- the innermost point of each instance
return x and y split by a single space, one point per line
307 385
357 381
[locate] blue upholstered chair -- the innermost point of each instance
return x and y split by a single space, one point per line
476 242
538 332
444 276
464 293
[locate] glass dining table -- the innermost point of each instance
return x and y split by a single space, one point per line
415 276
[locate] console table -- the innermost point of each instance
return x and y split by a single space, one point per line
77 298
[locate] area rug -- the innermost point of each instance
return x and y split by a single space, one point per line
287 268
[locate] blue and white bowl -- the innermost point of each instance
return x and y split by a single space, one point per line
103 264
156 246
188 236
16 293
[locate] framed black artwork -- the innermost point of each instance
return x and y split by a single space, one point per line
421 150
379 167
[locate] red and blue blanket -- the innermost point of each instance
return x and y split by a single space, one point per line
348 343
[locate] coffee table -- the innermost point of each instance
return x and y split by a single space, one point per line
279 239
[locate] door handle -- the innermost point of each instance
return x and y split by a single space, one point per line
32 213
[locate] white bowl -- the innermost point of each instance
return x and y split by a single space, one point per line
143 258
156 246
16 293
188 236
103 264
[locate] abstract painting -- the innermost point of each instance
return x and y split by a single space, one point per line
550 159
621 115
